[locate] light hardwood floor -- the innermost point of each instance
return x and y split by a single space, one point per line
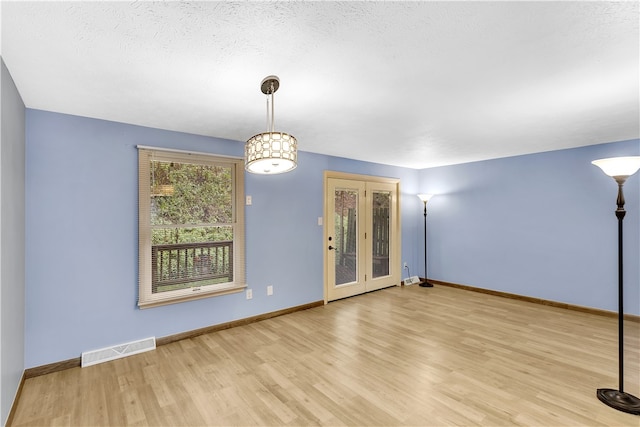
400 356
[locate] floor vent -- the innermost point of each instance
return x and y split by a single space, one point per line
117 351
411 280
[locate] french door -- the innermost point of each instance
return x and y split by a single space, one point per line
362 238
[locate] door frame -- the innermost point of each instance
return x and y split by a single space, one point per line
395 250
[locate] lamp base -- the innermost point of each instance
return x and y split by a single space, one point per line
424 283
619 400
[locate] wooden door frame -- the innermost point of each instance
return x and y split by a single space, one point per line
396 252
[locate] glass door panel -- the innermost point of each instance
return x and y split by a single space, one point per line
380 233
345 235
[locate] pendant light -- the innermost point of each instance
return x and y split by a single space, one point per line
270 152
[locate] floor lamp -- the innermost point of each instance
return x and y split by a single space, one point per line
620 168
425 198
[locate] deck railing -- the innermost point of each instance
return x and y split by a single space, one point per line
182 263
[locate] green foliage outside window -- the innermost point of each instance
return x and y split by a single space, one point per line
190 200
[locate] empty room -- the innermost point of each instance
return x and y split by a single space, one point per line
319 213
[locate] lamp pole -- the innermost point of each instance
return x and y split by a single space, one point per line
620 168
425 198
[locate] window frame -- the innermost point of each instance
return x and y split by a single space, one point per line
146 297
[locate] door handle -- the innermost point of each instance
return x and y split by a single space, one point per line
331 247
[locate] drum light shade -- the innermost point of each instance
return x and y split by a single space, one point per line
271 153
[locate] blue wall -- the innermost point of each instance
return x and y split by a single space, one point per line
12 240
81 255
539 225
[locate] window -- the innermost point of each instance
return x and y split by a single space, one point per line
191 226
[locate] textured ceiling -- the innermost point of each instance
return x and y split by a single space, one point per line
414 84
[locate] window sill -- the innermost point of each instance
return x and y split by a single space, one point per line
190 297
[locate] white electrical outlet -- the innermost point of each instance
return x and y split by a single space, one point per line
269 290
248 201
405 264
249 293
